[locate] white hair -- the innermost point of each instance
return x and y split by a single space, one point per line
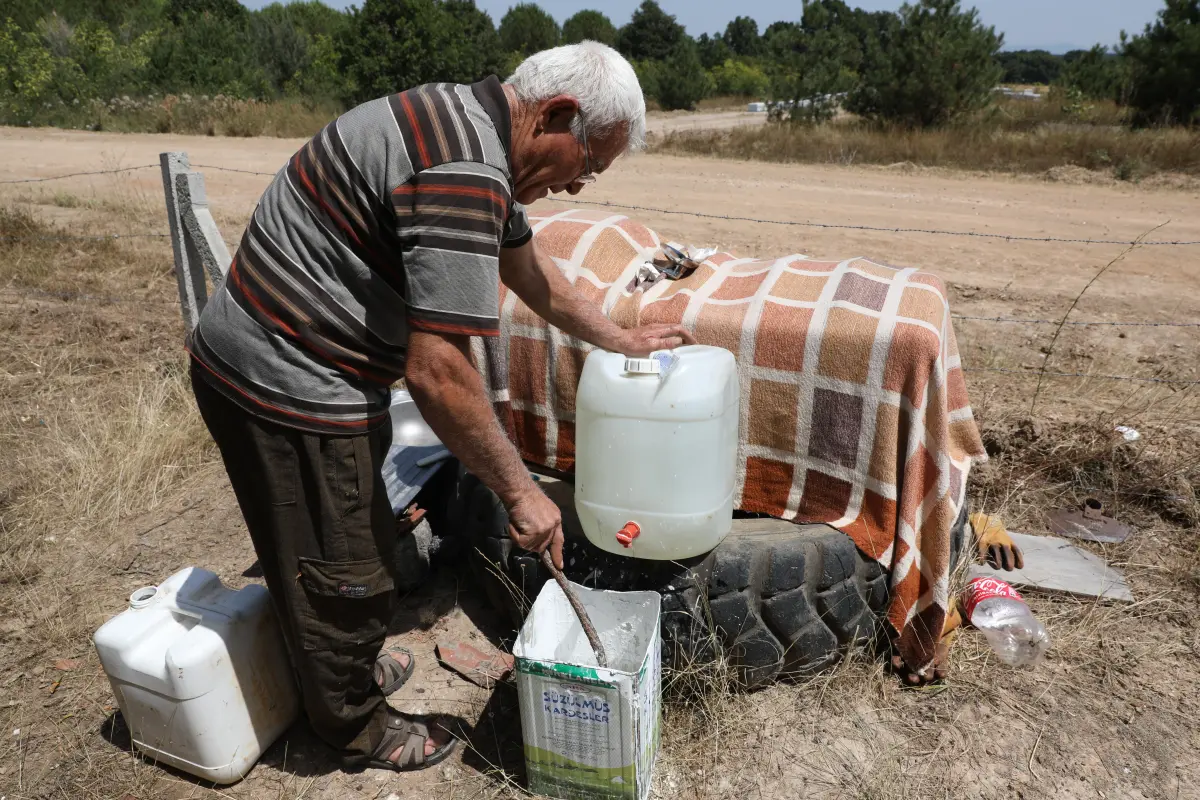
597 76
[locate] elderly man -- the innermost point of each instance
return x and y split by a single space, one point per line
374 255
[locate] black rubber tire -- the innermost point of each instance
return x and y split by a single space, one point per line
774 599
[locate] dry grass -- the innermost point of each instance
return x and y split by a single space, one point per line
1013 137
97 426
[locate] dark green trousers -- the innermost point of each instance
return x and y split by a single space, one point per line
321 523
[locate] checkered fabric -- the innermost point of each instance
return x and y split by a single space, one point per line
854 410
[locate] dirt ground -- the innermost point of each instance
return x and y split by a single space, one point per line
108 483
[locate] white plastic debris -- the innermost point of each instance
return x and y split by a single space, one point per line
1130 434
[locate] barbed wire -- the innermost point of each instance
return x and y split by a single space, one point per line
1008 237
1132 378
95 237
232 169
1031 321
100 299
78 174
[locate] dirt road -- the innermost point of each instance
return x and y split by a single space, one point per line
666 122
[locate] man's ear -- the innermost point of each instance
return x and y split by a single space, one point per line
555 114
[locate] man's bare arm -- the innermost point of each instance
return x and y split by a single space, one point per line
543 287
451 397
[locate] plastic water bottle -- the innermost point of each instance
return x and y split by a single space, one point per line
995 608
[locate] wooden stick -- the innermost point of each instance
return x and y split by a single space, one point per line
580 611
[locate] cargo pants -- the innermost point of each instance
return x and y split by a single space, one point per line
323 528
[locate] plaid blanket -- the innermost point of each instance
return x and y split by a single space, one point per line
854 410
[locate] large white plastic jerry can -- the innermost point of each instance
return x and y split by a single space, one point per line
200 673
655 451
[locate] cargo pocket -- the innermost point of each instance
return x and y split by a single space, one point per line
348 460
349 603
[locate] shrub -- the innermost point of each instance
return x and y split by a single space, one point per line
736 77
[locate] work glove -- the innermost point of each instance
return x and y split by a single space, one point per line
993 544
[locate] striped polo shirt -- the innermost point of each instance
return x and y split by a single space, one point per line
390 219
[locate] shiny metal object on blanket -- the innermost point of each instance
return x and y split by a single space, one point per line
682 259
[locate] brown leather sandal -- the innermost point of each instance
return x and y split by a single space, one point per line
411 733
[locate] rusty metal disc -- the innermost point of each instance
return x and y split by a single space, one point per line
1089 523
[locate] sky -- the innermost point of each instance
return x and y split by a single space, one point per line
1055 25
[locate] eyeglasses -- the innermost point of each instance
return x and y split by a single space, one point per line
586 176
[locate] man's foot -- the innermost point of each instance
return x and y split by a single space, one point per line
439 737
393 667
941 666
941 656
409 742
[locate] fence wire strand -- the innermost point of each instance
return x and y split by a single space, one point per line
95 237
232 169
1132 378
78 174
1008 237
1084 323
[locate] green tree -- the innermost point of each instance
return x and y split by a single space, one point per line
295 43
589 25
393 45
179 10
209 54
1095 74
651 33
713 51
527 29
682 81
777 27
939 65
741 36
815 63
1164 67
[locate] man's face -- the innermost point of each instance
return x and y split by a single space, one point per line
556 160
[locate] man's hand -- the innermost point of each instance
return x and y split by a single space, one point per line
641 342
537 281
535 523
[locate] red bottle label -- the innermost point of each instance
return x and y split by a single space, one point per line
982 589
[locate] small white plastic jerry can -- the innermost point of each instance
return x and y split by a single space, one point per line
200 673
656 451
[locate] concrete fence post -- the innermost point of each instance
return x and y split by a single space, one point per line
195 238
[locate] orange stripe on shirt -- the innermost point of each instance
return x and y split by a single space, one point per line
416 130
445 327
358 373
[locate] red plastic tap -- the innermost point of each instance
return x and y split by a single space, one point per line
627 534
